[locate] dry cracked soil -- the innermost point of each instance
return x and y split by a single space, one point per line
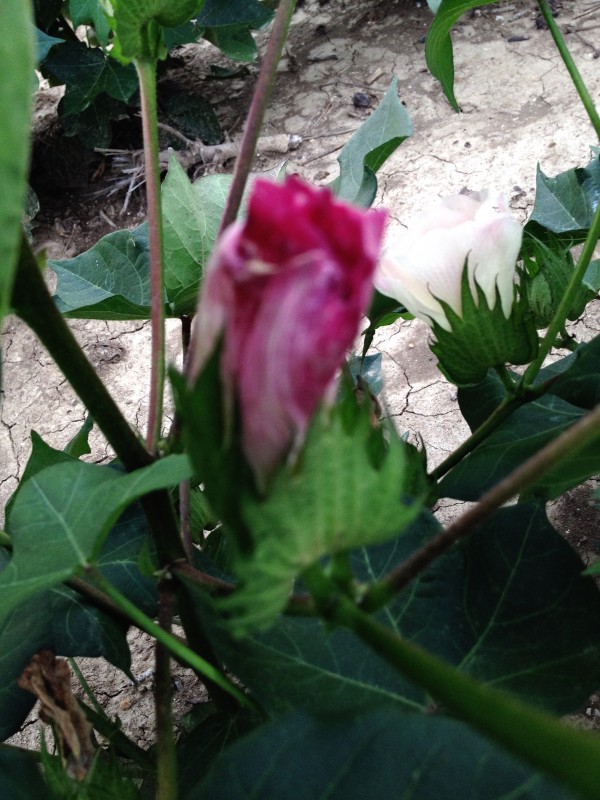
519 110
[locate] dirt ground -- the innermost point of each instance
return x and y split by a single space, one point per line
518 110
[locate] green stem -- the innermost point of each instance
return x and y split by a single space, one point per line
33 303
146 70
564 307
260 98
514 484
574 73
507 381
166 756
5 540
567 754
180 651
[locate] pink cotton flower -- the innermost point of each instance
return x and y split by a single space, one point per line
286 289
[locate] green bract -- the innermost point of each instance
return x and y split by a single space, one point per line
481 337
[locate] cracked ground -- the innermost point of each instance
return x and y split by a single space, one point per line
518 110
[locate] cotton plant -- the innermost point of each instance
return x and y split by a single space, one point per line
351 645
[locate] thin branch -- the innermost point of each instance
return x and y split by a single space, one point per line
575 75
146 69
254 120
166 757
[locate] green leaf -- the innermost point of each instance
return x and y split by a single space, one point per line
89 12
44 43
136 24
217 14
368 148
20 775
478 402
378 754
17 61
198 750
193 116
348 490
515 440
591 279
566 203
109 281
438 46
369 370
79 445
235 41
72 506
579 384
89 72
93 125
550 267
191 218
42 456
531 621
63 620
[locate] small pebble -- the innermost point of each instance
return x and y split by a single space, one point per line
362 100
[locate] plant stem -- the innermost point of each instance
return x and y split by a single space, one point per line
146 70
558 321
574 73
565 753
32 302
5 540
179 650
521 478
166 757
260 98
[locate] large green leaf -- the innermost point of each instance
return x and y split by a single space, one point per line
438 47
63 620
89 72
196 751
109 281
192 215
379 754
516 439
565 204
17 62
373 143
509 608
71 507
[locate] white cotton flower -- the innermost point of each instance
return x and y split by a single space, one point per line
425 263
